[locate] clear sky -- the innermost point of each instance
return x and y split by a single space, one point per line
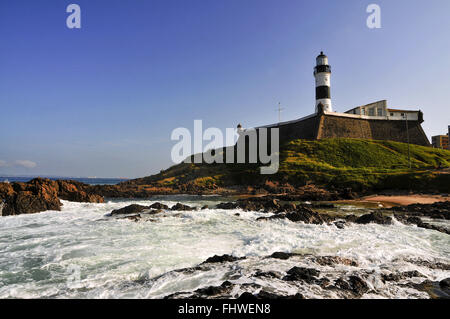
103 100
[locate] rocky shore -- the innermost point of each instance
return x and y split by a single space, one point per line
304 213
297 275
323 249
41 194
285 202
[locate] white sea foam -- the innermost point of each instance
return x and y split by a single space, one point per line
39 251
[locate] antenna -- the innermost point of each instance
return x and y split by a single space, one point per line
280 109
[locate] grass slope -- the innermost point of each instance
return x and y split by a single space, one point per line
356 163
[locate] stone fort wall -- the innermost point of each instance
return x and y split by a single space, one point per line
323 126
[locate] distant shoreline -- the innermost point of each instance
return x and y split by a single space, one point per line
85 180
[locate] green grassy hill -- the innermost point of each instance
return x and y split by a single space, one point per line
356 163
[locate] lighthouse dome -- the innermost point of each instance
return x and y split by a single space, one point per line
322 59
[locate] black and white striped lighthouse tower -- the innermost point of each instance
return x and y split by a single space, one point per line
322 73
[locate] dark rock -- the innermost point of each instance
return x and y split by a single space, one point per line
215 290
282 255
332 260
288 207
153 212
271 296
191 270
205 207
307 216
158 206
227 206
414 220
400 276
130 209
429 264
433 288
438 210
41 194
348 194
311 192
181 207
272 204
323 282
253 204
208 292
342 284
351 218
445 284
340 224
267 274
27 198
354 284
300 273
222 259
411 274
375 217
77 192
302 214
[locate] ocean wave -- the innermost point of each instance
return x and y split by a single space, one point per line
41 253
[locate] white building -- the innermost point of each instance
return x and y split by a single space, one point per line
379 110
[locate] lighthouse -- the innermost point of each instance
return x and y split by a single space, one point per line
322 74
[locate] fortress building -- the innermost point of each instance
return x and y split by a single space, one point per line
372 121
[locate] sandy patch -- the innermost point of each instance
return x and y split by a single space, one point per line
406 199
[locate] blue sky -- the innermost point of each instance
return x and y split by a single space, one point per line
104 99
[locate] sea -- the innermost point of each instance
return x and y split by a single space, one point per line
83 252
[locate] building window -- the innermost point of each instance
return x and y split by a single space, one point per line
371 112
363 111
380 112
403 114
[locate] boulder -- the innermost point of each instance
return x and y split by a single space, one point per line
282 255
181 207
288 207
130 209
227 205
263 294
400 276
27 198
438 210
41 194
354 284
340 224
210 291
221 259
414 220
302 214
375 217
445 284
308 275
77 192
